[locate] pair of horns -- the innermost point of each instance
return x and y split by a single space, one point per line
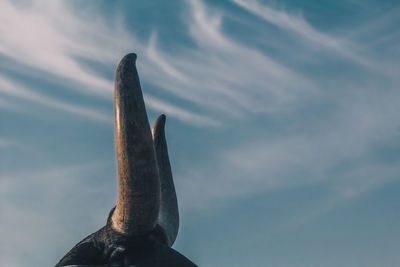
146 192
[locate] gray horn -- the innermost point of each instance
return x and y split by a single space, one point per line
168 218
138 178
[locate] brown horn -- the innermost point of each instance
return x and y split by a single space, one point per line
138 179
168 218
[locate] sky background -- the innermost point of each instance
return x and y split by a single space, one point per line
283 126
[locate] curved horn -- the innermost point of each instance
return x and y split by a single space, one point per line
168 217
138 179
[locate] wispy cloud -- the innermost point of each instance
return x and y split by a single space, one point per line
6 142
12 89
38 39
352 120
341 156
179 113
223 75
296 23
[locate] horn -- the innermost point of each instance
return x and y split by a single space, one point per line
138 200
168 218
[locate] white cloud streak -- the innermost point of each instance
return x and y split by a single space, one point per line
364 118
12 89
179 113
292 160
6 143
226 79
298 25
294 23
38 38
229 78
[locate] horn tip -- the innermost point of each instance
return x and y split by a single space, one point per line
158 126
162 118
160 122
131 57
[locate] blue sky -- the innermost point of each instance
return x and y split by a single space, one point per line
282 125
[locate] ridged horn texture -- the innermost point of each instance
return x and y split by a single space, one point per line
168 218
138 201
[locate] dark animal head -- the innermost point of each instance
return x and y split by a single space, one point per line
142 227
